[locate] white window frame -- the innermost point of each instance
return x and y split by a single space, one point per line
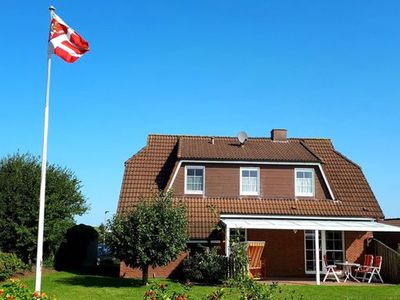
258 181
297 194
323 250
204 180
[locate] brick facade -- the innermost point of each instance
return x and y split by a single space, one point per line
277 182
355 245
283 254
158 272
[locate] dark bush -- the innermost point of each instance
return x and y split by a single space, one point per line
205 266
9 265
79 249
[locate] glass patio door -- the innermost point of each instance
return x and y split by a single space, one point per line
331 245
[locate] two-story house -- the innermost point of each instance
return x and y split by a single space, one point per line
284 191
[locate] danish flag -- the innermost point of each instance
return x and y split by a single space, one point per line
64 41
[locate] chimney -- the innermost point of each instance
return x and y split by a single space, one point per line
279 135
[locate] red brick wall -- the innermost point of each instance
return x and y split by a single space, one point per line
283 254
355 243
223 180
158 272
284 250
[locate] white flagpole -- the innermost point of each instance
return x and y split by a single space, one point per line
39 257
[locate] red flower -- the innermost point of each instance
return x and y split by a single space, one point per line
11 297
149 293
1 292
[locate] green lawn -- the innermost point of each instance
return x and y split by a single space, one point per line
67 286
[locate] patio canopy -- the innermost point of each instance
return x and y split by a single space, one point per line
302 223
341 224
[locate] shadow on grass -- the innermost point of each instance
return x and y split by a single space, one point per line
99 281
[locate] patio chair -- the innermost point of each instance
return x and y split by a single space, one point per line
331 270
374 270
254 251
365 267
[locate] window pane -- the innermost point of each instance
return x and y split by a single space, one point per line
304 183
250 181
253 174
194 179
338 245
237 234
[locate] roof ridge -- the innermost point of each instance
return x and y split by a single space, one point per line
309 150
230 137
346 158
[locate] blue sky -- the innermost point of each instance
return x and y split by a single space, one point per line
317 68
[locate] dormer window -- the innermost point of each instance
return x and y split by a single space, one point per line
250 181
304 182
194 180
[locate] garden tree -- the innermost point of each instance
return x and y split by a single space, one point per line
153 234
19 205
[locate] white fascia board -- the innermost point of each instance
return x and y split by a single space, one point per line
174 175
326 181
203 242
309 225
244 162
289 217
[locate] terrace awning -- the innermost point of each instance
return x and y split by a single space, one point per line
309 224
302 223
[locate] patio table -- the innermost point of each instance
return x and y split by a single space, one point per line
347 270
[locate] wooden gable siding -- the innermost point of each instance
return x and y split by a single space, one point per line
223 180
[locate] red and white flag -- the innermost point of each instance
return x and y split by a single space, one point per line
64 41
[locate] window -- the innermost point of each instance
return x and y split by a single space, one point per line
249 181
304 182
331 245
237 234
194 180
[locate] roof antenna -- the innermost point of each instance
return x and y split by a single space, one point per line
242 137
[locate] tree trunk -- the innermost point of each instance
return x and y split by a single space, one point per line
145 274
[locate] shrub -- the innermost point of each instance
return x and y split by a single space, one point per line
162 292
9 265
250 289
215 295
79 249
205 266
16 290
240 260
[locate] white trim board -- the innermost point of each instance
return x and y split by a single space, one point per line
242 216
293 224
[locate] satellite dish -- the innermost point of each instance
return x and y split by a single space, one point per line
242 137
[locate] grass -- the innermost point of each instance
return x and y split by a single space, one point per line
387 292
66 286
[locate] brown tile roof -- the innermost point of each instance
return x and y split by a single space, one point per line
394 222
151 169
255 149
